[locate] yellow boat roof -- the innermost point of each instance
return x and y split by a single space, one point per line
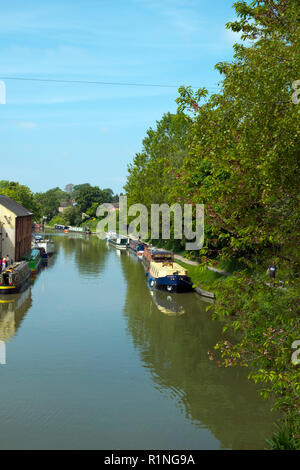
167 269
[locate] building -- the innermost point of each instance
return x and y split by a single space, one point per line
63 206
15 229
115 206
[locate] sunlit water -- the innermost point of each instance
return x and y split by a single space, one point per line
91 359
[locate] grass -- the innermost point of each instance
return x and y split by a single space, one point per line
284 439
201 276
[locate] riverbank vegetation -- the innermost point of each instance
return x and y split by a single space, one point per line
237 152
75 205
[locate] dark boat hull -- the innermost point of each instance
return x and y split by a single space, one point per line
173 283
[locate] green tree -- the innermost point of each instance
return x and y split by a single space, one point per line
22 195
87 195
152 172
49 201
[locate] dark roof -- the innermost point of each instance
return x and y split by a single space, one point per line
13 206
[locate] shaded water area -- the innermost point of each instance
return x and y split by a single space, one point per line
90 358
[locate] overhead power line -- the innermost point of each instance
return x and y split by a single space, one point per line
92 82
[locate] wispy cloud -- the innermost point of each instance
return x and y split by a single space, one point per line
26 124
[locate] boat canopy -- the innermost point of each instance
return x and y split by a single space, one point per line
34 253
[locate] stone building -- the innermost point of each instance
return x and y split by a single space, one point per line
15 229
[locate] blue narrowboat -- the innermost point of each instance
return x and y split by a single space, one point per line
163 273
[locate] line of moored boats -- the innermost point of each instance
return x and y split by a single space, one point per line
161 270
16 277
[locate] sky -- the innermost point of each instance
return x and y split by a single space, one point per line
57 133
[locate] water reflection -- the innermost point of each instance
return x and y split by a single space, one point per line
87 251
167 303
2 353
13 309
173 346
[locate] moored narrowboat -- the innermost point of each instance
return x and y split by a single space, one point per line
137 247
34 259
156 254
15 278
169 276
60 227
46 245
118 241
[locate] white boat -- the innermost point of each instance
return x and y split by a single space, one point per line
48 245
118 241
109 235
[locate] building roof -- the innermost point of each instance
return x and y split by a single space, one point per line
14 207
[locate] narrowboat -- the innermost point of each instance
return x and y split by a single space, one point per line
60 227
15 278
85 230
169 276
118 241
34 259
156 254
47 245
137 247
44 255
163 273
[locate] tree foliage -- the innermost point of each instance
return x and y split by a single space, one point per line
22 195
50 201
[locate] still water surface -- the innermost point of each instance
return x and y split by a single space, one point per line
94 360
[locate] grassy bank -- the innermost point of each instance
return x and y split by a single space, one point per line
201 276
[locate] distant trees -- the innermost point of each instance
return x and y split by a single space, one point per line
71 216
86 197
49 201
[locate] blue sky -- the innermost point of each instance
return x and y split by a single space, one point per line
52 134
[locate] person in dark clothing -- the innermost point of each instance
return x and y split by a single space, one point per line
272 270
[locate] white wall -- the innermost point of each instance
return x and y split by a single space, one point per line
8 229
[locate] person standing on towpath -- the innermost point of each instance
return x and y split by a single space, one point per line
272 271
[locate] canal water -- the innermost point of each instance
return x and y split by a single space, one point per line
90 358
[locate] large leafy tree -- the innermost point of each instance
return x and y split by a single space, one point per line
151 174
21 194
244 157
